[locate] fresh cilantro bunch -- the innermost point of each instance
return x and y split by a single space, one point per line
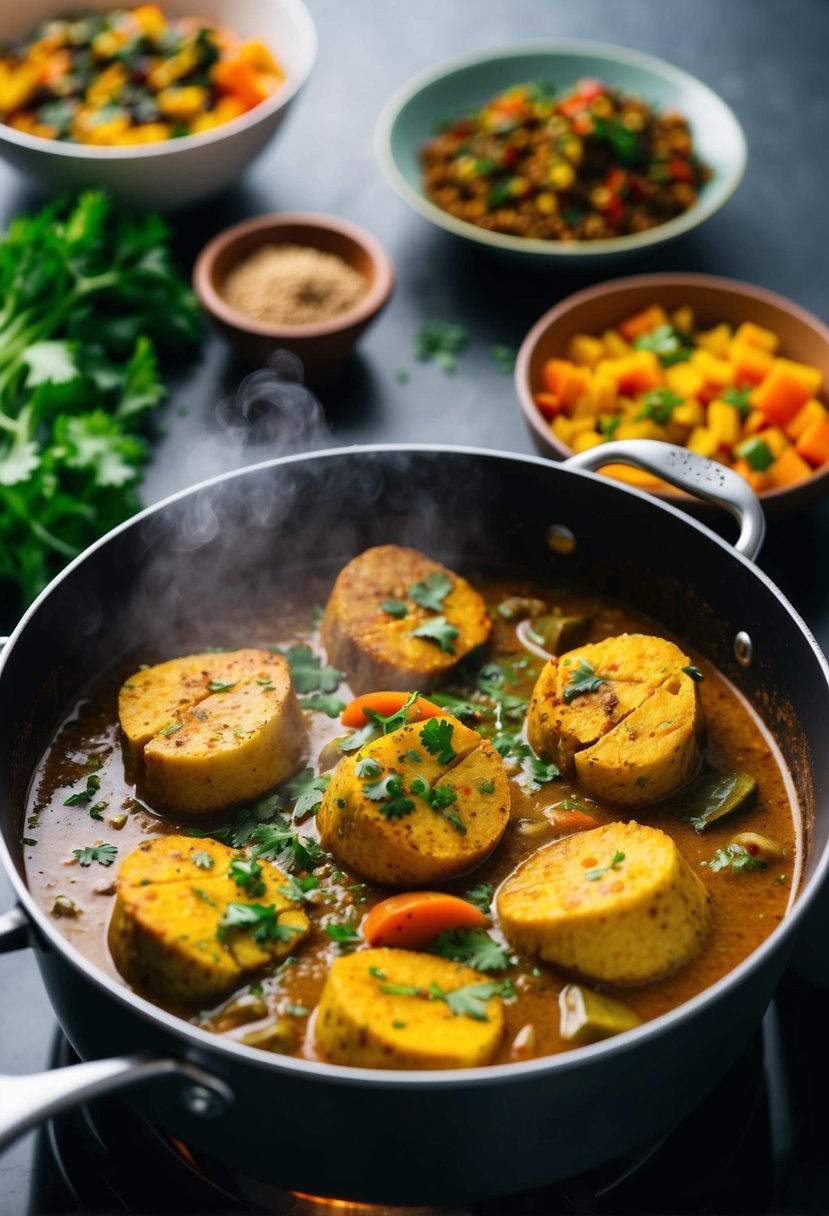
86 292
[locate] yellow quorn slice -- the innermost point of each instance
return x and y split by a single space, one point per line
624 714
381 1009
379 648
418 805
212 730
168 934
618 904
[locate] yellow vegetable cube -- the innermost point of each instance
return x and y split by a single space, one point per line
584 350
182 103
583 407
755 335
645 429
810 377
808 414
715 340
602 393
683 319
587 439
724 422
614 344
689 413
703 441
684 379
566 429
717 372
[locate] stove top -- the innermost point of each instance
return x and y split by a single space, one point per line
754 1145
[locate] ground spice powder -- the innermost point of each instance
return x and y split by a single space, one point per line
293 285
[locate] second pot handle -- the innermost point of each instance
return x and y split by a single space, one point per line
27 1100
697 476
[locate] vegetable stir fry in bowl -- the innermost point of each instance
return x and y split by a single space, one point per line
138 100
561 150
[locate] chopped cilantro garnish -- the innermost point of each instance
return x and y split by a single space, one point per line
247 874
305 791
666 343
264 917
736 858
300 890
739 397
368 768
659 405
104 854
93 784
481 896
307 672
388 722
469 1001
583 679
436 737
472 946
616 861
756 451
432 591
202 859
441 341
438 630
222 686
324 704
486 787
396 608
345 934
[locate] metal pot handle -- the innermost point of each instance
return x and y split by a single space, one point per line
694 474
27 1100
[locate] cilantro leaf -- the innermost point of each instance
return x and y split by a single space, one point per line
332 707
202 859
300 890
395 608
583 679
104 854
432 591
247 874
481 896
93 784
388 791
438 630
659 405
50 362
305 791
736 858
263 917
345 934
667 344
368 768
472 946
391 722
600 871
307 671
436 737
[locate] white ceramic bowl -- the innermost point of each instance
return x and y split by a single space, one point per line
464 84
171 173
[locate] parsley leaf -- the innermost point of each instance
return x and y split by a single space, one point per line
432 591
202 859
667 344
93 784
345 934
439 799
396 608
481 896
307 672
616 861
736 858
389 792
247 874
390 722
659 405
320 703
583 679
305 791
300 890
438 630
265 918
472 946
104 854
436 737
221 686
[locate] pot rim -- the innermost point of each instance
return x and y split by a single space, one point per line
217 1046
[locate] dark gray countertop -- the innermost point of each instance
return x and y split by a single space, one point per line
767 60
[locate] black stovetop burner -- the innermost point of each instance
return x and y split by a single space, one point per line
752 1146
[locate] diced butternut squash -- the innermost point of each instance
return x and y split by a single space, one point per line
783 393
751 363
724 422
756 335
813 444
715 341
812 411
585 350
788 469
703 441
553 375
643 322
614 344
684 379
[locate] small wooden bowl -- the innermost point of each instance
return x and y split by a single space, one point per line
323 346
802 337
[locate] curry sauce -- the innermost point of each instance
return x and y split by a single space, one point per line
84 803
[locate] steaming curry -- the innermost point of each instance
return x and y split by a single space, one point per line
578 827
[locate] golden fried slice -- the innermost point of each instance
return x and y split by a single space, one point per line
653 751
581 713
381 1009
418 805
618 903
169 932
378 648
213 730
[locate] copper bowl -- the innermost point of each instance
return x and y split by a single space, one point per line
803 337
323 346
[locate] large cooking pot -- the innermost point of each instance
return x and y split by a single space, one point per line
405 1137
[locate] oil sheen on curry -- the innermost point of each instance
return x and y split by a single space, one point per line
429 825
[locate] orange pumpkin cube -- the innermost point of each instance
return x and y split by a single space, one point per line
813 444
781 394
788 469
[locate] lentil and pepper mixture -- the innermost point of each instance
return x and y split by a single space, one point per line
84 814
590 164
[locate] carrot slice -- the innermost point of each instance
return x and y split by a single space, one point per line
387 703
413 919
